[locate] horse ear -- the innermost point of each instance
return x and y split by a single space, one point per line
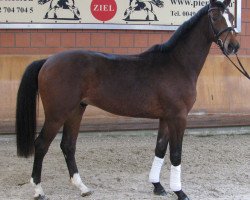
212 1
227 2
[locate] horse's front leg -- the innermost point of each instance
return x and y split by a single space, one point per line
155 17
46 16
160 151
177 127
147 17
75 11
128 12
55 10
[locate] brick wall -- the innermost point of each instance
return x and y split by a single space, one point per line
112 41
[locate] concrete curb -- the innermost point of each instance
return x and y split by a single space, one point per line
200 132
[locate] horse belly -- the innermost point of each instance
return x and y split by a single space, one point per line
126 105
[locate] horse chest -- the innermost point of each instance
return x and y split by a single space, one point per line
63 4
179 94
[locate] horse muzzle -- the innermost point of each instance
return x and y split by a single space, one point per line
231 48
234 47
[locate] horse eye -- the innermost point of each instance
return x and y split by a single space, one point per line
216 15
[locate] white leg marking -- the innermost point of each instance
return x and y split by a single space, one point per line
175 178
77 181
154 175
38 188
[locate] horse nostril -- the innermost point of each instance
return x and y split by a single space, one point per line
233 47
237 47
230 47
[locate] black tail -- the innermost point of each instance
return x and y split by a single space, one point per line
26 109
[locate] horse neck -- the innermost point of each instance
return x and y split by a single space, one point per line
192 51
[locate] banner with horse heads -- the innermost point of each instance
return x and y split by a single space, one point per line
103 14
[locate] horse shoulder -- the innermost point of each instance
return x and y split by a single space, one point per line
176 92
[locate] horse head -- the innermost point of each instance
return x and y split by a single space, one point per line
222 26
41 2
158 3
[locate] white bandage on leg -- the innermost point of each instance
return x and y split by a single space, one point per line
154 175
175 178
77 181
38 188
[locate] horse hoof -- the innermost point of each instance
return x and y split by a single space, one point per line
186 198
86 194
159 190
46 16
160 193
181 195
41 197
75 17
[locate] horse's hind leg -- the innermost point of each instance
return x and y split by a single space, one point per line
68 146
42 144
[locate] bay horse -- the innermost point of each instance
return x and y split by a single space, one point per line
159 83
142 5
64 4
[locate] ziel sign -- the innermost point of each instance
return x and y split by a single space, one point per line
103 14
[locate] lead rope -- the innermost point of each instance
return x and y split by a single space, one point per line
241 68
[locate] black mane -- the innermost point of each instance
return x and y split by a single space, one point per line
181 32
184 29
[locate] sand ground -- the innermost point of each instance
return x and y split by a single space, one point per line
116 166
